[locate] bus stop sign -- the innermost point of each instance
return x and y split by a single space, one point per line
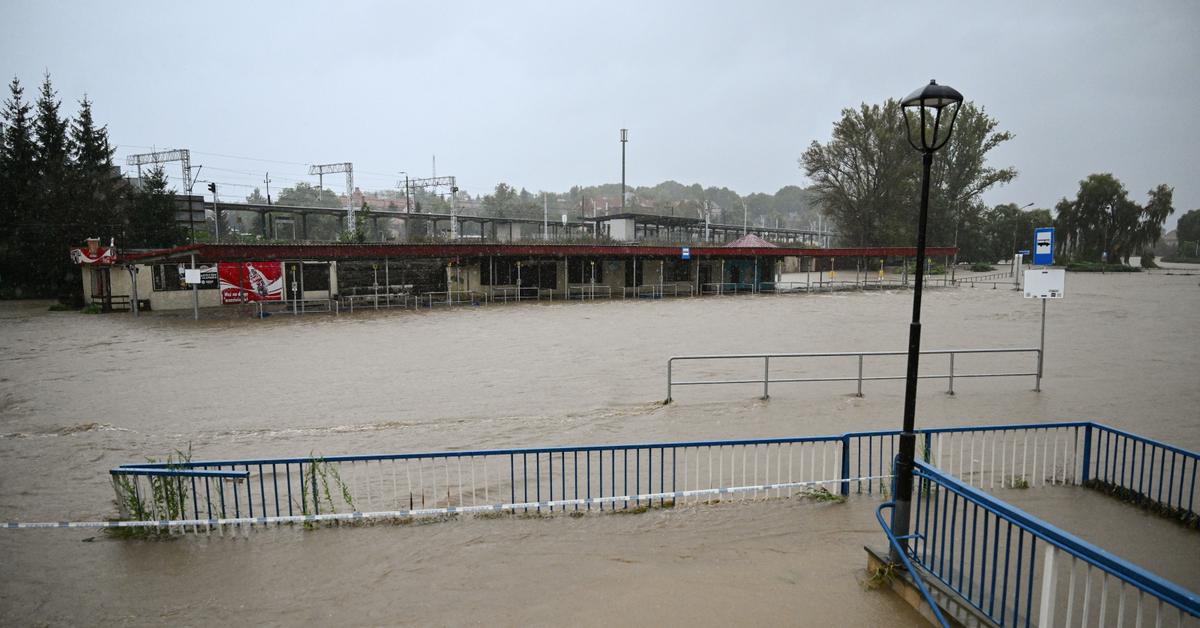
1043 246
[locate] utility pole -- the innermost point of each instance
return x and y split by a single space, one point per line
323 169
745 219
191 218
453 213
407 206
267 215
212 187
545 218
624 140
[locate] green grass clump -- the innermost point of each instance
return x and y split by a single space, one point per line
823 494
1184 517
1097 267
883 575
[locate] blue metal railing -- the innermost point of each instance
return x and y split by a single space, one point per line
894 543
1004 562
554 479
1147 472
624 476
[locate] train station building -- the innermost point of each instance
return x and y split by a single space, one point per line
389 275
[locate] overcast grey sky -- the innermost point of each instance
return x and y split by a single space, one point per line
719 93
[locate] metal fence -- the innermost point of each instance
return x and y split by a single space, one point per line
377 301
592 477
515 293
1146 472
449 297
659 290
1018 570
1009 566
589 291
765 380
297 306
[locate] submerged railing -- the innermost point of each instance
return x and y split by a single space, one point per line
861 377
599 477
1013 567
297 306
1007 565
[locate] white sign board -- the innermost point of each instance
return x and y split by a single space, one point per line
192 275
1048 283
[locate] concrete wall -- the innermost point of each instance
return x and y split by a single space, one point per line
159 299
621 229
182 299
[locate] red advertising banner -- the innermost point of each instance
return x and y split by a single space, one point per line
250 281
93 256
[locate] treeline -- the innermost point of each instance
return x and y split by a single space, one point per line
790 206
58 186
867 180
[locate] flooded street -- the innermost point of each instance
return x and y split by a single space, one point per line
81 394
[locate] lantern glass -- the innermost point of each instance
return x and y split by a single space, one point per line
929 115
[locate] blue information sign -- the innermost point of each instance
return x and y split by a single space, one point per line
1043 246
686 253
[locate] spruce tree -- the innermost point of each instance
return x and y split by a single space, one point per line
95 184
150 214
16 190
46 246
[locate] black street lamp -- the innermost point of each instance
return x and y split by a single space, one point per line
926 111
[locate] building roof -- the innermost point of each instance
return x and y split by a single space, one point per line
752 241
372 251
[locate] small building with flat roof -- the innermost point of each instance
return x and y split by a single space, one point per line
443 272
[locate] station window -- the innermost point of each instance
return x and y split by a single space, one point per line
169 277
579 270
677 270
316 276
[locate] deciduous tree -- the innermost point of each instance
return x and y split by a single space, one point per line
1102 222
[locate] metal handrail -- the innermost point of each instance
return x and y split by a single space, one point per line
517 293
721 287
453 297
298 305
172 471
766 380
589 291
383 299
933 479
908 565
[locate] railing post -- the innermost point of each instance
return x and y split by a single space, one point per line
766 376
860 373
1049 586
670 361
1037 382
1087 453
951 391
844 476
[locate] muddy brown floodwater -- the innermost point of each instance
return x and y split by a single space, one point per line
81 394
